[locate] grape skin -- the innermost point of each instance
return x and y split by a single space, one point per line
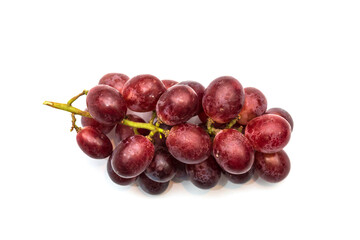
115 80
116 178
181 174
106 105
199 90
233 152
240 178
282 113
268 133
142 92
223 99
151 187
162 168
255 105
169 83
85 121
177 105
189 143
204 175
273 167
94 143
203 117
132 156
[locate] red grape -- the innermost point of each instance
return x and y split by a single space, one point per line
189 143
177 105
142 92
268 133
233 151
132 156
203 117
240 178
150 186
106 105
282 113
255 105
116 178
199 89
122 131
85 121
162 168
273 167
94 143
169 83
223 99
204 175
181 174
115 80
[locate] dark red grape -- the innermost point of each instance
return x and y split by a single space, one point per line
85 121
203 117
199 89
122 131
162 168
272 167
94 143
189 143
203 126
106 105
169 83
116 178
204 175
233 151
132 156
177 105
282 113
142 92
181 174
240 178
223 99
115 80
255 105
150 186
268 133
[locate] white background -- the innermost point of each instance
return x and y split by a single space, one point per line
304 56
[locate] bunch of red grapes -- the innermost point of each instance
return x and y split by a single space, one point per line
238 136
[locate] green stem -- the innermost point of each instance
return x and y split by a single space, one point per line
74 110
210 129
240 129
153 116
136 131
85 92
73 124
148 126
232 122
68 108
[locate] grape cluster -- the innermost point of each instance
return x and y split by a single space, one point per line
237 135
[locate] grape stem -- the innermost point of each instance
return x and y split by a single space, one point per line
73 124
157 125
210 129
75 111
233 122
153 116
68 108
85 92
